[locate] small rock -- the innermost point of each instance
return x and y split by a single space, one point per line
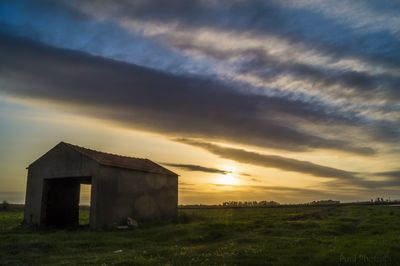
131 222
122 227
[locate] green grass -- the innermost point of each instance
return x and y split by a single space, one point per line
342 235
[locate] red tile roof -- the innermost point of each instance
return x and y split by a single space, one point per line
139 164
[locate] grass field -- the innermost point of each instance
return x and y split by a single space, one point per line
342 235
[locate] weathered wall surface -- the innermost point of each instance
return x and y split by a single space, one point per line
59 162
139 195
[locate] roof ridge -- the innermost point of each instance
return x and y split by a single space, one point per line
116 160
109 153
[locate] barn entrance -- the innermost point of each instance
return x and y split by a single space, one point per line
60 202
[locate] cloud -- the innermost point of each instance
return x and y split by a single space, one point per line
355 84
210 170
271 161
388 183
391 174
197 168
315 26
143 98
336 62
342 179
58 24
309 75
327 83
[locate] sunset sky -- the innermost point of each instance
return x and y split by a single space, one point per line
285 100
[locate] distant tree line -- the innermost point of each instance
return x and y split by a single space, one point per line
325 202
264 203
5 206
378 200
249 203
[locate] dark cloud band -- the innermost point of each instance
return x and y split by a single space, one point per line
197 168
342 178
193 106
271 161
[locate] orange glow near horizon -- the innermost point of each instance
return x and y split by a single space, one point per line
234 181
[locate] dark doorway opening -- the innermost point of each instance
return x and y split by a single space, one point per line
60 202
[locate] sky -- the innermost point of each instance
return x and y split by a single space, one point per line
284 100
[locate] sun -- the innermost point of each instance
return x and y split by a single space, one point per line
228 178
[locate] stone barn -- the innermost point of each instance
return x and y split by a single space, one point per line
121 187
